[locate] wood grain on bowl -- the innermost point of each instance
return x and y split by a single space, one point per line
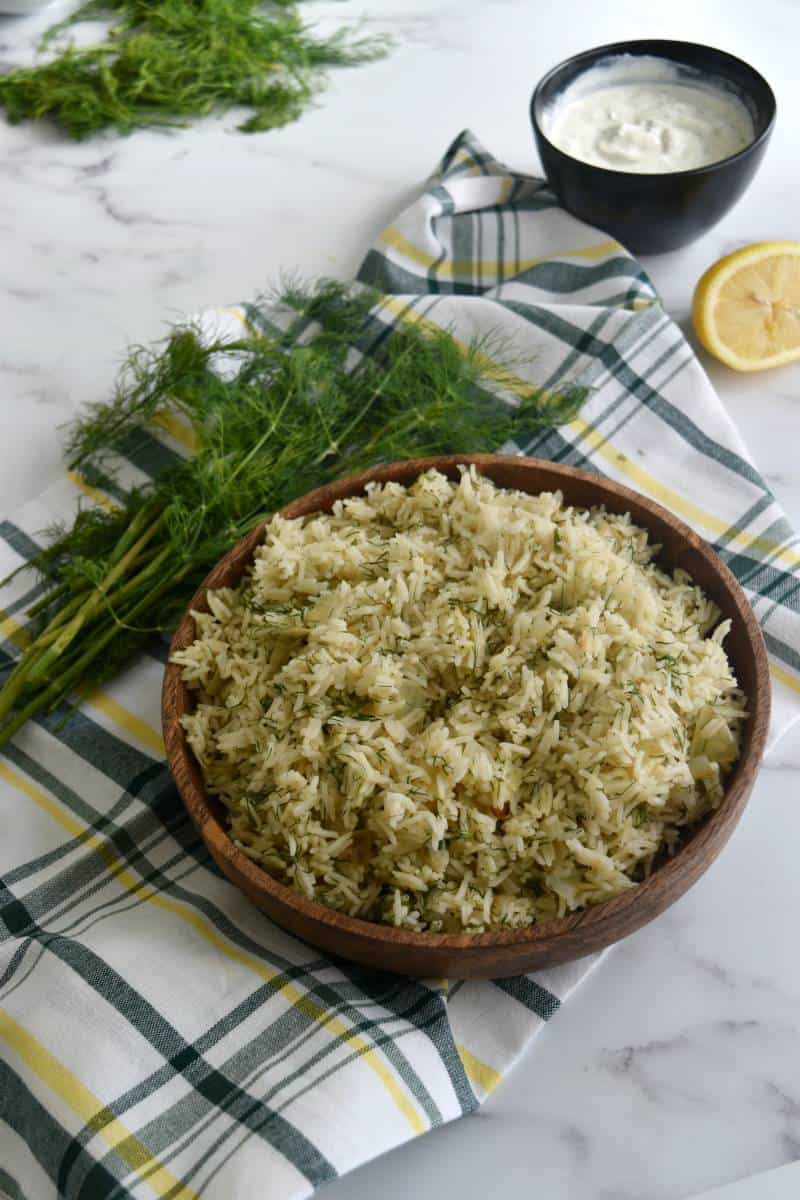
512 951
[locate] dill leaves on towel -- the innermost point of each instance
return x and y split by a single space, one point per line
271 415
164 61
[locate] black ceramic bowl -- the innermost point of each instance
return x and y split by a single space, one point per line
651 213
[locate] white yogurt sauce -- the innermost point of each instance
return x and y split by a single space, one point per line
644 114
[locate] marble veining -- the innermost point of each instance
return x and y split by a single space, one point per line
675 1067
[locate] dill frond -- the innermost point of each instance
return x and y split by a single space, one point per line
164 61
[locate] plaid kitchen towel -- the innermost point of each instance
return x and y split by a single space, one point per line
158 1036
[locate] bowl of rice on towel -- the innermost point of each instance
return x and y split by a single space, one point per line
467 716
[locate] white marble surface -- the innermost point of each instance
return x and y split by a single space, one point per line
677 1066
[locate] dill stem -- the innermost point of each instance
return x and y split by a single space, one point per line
51 695
52 631
46 660
136 582
95 600
46 600
33 653
132 592
53 628
137 523
16 681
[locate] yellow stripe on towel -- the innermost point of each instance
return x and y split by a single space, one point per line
461 267
478 1072
90 1110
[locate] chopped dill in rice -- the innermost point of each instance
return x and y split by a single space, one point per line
457 707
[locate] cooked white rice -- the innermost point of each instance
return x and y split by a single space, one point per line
456 707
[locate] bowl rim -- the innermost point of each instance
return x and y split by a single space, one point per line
619 48
593 917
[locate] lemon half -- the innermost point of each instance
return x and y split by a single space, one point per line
746 308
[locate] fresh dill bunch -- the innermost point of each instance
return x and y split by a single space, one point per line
167 60
291 410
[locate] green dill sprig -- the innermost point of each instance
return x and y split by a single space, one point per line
291 416
164 61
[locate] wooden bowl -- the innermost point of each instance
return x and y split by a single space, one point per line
509 951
